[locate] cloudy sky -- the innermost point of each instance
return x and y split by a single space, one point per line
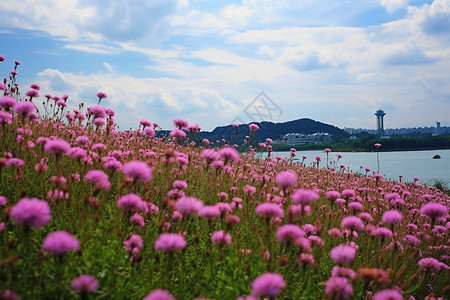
332 61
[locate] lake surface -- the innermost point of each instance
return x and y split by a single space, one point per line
392 164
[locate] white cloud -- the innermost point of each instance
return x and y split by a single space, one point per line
394 5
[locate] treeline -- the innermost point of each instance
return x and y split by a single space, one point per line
367 144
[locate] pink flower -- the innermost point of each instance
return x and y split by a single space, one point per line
101 95
269 210
343 254
3 200
430 263
5 117
180 184
253 127
180 123
138 171
348 194
137 220
338 271
228 154
412 240
99 179
189 205
7 102
338 288
134 244
289 233
149 132
209 155
32 93
130 203
382 232
434 210
390 294
60 242
24 109
221 237
31 213
304 197
145 123
57 147
268 284
209 212
352 223
392 217
286 179
306 260
177 133
159 295
170 242
84 284
332 195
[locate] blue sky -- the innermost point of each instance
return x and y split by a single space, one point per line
332 61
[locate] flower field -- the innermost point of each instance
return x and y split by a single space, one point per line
89 212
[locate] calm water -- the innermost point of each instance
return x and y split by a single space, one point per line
392 164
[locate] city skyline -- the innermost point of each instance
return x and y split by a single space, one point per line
336 62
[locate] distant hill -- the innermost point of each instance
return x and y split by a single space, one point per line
272 130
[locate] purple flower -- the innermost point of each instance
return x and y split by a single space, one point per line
3 200
392 217
434 210
57 147
390 294
286 179
289 233
31 213
352 223
343 254
32 93
170 242
430 263
101 95
60 242
130 203
138 171
159 295
5 117
84 284
338 288
99 179
269 210
7 102
221 237
304 197
24 109
412 240
268 284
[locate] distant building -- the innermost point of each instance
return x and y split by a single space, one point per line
292 139
380 122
